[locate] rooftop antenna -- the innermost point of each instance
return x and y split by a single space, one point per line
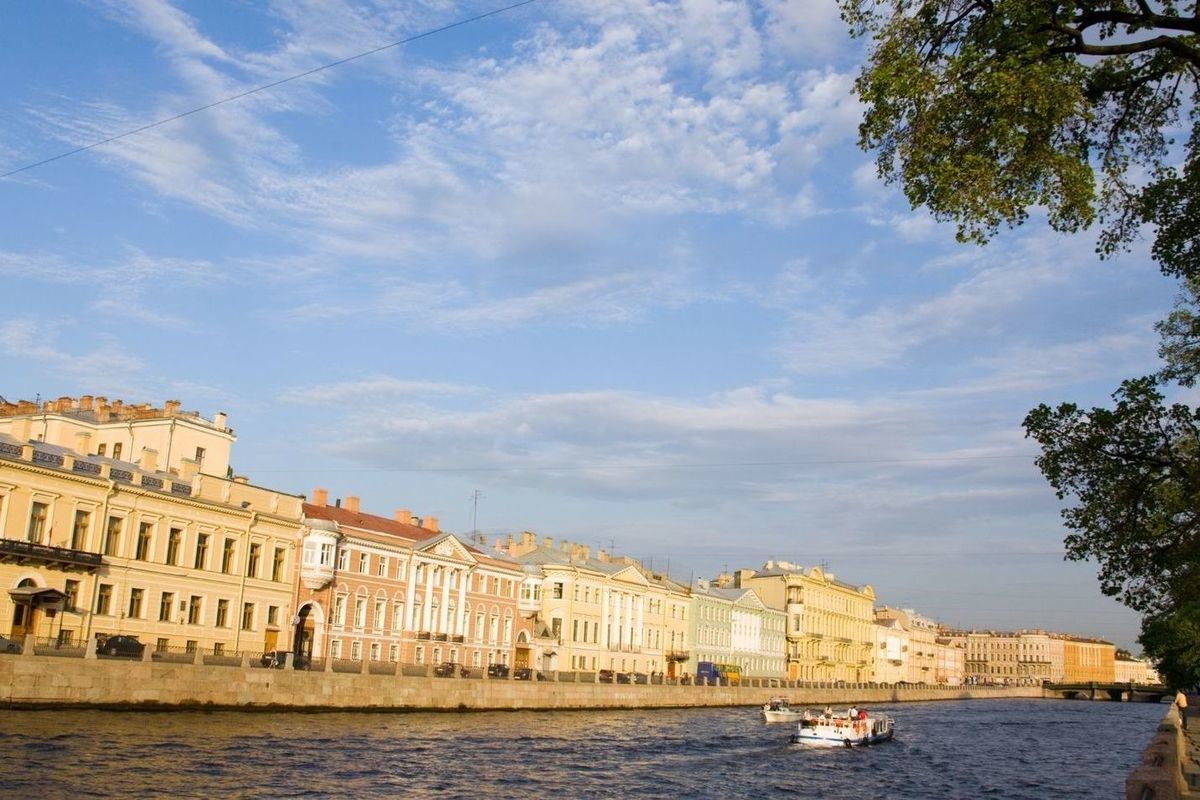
475 512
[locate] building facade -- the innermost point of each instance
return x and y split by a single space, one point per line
399 589
92 545
830 624
603 613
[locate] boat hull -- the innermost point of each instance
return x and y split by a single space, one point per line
823 732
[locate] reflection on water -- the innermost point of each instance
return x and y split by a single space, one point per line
949 749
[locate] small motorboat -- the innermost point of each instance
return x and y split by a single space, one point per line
843 730
778 709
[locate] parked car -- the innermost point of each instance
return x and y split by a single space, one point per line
122 645
624 677
639 677
446 670
9 646
277 659
497 670
605 676
525 673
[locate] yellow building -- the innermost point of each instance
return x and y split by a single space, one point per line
830 623
1088 660
183 442
604 613
94 545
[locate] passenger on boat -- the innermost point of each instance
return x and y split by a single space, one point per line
852 713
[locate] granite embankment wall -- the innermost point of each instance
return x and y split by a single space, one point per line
1170 768
47 681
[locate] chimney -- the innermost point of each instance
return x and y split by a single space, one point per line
188 468
219 419
528 539
171 407
403 516
548 543
149 460
320 497
240 479
352 503
85 402
602 555
430 524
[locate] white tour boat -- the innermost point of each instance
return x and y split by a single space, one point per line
778 709
843 730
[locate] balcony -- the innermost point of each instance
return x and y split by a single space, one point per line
677 656
425 635
15 551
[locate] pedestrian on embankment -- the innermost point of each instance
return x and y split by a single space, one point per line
1181 705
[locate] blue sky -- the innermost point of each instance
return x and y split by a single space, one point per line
618 266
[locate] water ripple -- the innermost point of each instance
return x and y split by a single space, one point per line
1009 750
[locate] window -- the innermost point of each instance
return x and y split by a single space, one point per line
363 561
252 560
135 603
104 599
194 610
201 551
381 567
102 449
360 612
112 536
420 654
558 591
71 590
272 615
37 522
165 606
117 450
199 455
227 556
397 615
335 649
379 609
277 565
375 651
394 653
190 646
355 651
83 521
339 610
219 649
247 616
142 551
343 560
161 645
222 613
174 538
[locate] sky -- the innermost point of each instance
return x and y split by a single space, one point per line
613 271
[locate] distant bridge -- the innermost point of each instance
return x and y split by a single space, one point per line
1117 692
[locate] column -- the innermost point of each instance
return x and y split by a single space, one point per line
410 592
444 622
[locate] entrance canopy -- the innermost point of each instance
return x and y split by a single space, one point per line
38 596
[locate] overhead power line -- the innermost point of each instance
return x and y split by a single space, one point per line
642 466
266 86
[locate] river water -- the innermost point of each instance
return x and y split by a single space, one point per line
948 749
